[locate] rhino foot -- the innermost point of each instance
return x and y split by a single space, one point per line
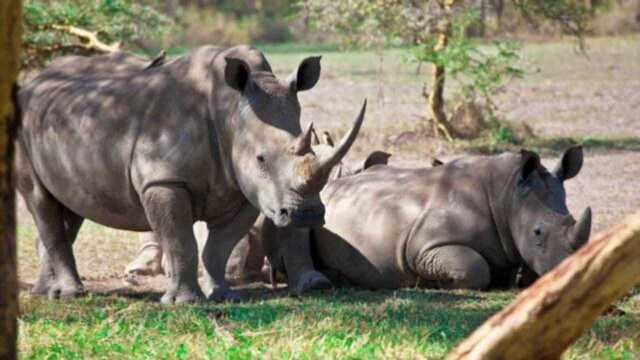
182 296
312 280
58 290
40 288
149 262
224 294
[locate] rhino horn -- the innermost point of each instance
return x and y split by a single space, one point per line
302 144
325 164
582 229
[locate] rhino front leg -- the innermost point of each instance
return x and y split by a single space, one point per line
220 243
292 246
453 267
168 210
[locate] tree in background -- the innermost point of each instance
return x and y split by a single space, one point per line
10 31
61 27
438 28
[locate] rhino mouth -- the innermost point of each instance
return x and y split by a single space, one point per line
310 216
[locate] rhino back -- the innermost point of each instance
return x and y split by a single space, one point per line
378 222
83 132
368 217
459 211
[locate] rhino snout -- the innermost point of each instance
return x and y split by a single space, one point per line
308 216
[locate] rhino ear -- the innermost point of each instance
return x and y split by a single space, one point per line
570 164
236 73
327 138
307 74
376 158
530 162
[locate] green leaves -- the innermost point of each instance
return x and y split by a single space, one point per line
111 21
480 69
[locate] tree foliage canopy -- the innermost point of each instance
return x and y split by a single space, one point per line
49 26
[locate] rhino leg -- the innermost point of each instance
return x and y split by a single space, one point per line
149 260
46 277
57 229
291 248
168 210
220 243
453 267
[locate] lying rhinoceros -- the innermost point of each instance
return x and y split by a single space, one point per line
469 223
247 261
210 136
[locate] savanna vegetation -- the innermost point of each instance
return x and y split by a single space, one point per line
519 78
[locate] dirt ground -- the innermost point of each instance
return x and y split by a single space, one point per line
562 94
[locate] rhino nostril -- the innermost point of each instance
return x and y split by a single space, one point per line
284 212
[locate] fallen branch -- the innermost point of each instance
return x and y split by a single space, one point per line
88 40
547 317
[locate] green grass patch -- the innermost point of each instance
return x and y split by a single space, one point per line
550 145
340 324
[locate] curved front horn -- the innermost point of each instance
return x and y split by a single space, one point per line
581 230
325 164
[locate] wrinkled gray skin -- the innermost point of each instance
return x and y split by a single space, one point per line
471 223
247 262
209 136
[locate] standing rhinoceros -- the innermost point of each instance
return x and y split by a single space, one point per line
211 136
247 260
470 223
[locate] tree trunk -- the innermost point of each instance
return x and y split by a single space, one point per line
10 35
547 317
436 96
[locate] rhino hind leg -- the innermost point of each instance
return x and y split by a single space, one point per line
149 260
453 267
57 230
168 210
46 279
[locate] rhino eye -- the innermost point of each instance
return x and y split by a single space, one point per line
260 158
539 240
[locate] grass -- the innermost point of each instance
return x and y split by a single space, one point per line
338 324
552 145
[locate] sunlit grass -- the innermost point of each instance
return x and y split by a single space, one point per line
331 325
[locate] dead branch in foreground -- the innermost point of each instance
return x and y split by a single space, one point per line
547 317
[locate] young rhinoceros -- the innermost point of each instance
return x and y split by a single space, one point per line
469 223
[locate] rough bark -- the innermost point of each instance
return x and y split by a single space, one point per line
547 317
10 32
